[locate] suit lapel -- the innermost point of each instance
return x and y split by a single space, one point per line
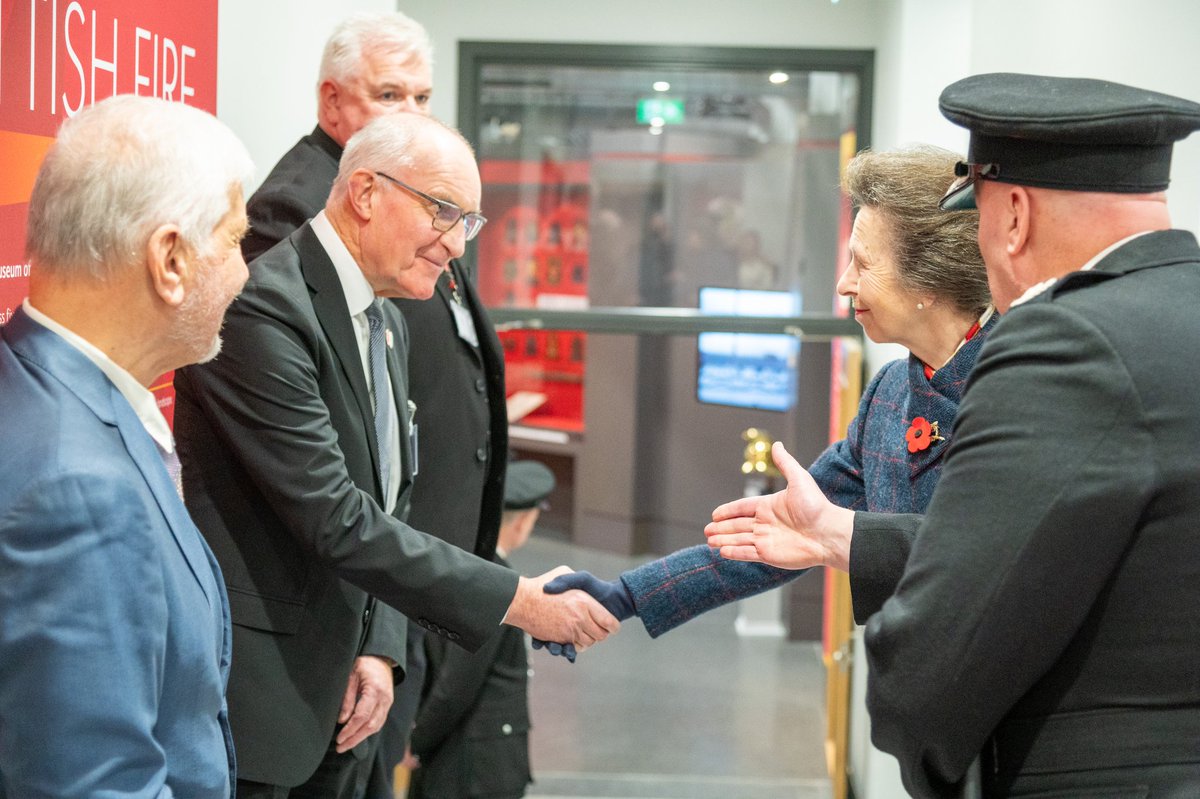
329 305
144 453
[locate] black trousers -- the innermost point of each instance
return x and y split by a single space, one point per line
340 776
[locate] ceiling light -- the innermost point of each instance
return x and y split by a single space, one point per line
778 77
661 86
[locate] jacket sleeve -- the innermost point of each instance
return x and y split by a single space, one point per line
679 587
82 657
675 589
1039 497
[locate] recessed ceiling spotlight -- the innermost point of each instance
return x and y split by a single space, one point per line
661 86
778 77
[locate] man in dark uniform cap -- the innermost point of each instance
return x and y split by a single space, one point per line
1046 611
472 730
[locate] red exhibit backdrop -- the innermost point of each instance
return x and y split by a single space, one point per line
59 56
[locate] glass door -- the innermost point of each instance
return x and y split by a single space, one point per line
665 230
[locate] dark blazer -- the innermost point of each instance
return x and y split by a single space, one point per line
280 472
472 730
870 469
114 625
458 493
1047 614
294 192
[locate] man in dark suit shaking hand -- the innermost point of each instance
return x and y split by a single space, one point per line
298 462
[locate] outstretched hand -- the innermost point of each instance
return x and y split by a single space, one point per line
792 529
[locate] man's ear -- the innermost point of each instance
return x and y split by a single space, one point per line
327 100
168 260
360 187
1018 211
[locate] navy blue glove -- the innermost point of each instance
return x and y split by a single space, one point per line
564 650
611 594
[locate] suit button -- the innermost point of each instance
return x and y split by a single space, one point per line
506 729
453 636
366 616
481 454
480 385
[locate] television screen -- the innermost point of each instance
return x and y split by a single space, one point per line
748 370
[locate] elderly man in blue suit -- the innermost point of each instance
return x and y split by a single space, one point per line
114 623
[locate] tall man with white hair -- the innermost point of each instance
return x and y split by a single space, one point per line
297 452
114 622
376 64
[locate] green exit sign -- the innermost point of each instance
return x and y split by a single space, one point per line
667 109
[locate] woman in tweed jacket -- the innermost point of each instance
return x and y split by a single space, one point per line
915 278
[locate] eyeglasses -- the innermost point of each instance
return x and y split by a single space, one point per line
961 194
445 213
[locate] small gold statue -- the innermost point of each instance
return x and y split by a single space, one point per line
757 455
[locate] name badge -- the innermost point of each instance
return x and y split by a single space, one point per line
412 435
465 324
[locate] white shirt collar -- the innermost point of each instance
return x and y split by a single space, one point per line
138 396
1033 291
354 285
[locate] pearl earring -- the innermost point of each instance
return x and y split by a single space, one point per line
920 306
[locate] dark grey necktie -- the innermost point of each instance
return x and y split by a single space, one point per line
376 355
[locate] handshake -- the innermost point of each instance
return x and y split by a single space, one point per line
612 595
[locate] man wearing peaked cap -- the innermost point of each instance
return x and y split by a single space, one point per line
1074 134
1049 614
1044 615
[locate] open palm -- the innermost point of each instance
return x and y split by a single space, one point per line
793 529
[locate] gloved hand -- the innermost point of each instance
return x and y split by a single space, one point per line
612 595
564 650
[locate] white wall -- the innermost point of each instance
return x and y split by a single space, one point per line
759 23
268 54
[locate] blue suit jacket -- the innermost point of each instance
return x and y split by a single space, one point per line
114 625
870 469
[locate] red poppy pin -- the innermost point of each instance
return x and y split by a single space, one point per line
921 434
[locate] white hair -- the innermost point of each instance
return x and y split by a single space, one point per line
368 32
388 144
120 169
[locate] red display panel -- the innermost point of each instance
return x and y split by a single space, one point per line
534 254
60 56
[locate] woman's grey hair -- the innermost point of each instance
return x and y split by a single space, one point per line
390 143
122 168
369 32
936 252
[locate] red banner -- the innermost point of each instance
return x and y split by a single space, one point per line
60 56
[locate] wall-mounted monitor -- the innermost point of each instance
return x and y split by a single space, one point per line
748 370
